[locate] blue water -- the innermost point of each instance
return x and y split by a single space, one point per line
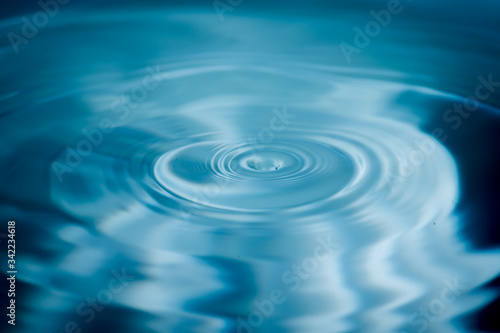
263 168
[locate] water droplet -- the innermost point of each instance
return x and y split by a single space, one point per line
263 164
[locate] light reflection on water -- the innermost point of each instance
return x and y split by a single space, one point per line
242 174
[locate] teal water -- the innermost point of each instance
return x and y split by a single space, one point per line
255 167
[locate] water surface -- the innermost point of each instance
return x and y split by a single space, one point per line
246 174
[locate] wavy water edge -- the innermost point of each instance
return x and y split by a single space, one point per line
220 215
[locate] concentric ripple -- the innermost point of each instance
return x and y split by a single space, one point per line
176 183
245 177
212 161
217 165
